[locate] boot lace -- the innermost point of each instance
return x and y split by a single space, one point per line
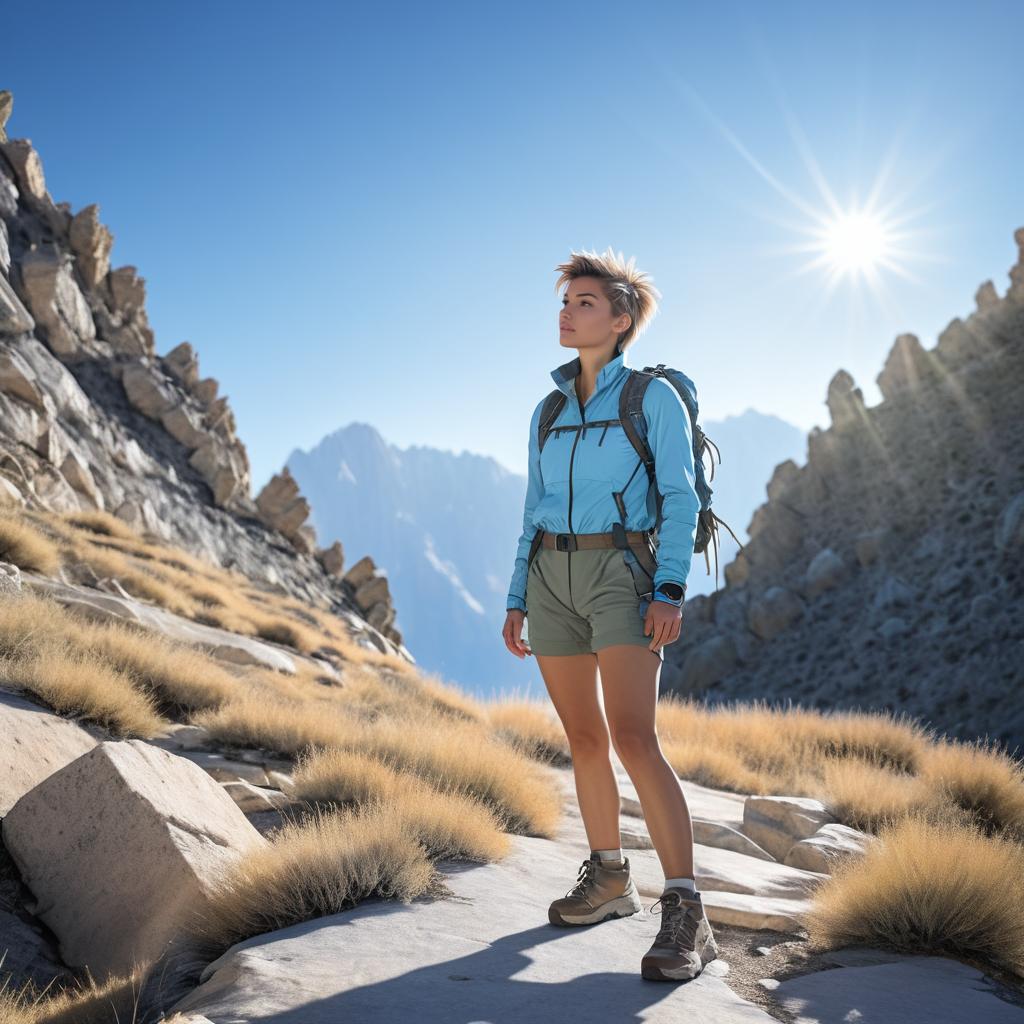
583 879
679 920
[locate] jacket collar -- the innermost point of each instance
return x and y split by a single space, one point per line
564 375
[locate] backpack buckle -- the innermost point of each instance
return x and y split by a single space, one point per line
619 536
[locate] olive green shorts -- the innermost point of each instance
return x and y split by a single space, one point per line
580 601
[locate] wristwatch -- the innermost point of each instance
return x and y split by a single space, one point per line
672 593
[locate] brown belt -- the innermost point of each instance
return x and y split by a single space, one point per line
574 541
638 541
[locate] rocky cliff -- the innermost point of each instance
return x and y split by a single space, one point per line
92 417
886 571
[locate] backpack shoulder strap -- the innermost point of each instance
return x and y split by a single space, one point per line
553 405
631 415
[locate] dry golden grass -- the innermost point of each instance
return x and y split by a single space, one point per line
531 727
400 769
101 522
116 675
27 547
178 581
451 756
869 768
449 824
112 1001
928 886
77 684
981 781
181 678
326 863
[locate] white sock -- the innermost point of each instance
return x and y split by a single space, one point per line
681 883
609 857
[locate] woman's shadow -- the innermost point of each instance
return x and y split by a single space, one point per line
470 981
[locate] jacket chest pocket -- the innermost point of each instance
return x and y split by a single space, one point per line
555 456
605 453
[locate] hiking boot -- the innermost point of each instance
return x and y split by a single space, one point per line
600 893
684 943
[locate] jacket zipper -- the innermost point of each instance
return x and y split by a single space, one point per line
572 455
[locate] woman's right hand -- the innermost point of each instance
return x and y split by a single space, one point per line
513 631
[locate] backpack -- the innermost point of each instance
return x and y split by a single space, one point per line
634 423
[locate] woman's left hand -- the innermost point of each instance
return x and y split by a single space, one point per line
666 621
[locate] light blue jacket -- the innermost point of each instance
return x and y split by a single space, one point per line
570 483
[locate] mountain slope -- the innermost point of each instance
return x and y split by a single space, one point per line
886 572
92 418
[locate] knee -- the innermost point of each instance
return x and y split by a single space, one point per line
636 745
588 743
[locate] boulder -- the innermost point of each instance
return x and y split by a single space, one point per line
14 317
282 507
332 559
18 379
150 393
182 364
206 391
845 400
127 290
707 664
777 822
119 846
907 367
27 166
826 570
91 243
820 851
77 473
184 426
868 546
772 612
894 593
56 302
215 463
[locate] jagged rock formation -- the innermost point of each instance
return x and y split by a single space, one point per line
92 417
886 571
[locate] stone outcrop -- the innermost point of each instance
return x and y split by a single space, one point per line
372 594
284 509
92 417
885 572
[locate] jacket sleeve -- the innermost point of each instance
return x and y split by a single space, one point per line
534 492
670 436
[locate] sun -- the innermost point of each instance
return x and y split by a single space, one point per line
855 242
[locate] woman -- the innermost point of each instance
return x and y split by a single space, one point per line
593 608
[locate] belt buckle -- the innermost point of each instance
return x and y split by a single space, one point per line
563 541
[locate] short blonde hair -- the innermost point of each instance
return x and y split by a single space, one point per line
628 290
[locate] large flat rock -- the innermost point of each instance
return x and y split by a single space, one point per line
486 953
908 990
220 643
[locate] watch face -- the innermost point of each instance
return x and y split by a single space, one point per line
671 590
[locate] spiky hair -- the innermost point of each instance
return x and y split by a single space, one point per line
628 290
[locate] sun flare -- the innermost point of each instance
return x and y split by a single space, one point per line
855 242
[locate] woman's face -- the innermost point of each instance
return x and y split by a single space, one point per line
585 320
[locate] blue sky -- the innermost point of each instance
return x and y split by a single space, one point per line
354 212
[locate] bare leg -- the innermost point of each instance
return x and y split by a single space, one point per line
571 680
629 677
